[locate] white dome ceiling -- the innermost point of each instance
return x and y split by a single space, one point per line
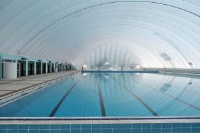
161 33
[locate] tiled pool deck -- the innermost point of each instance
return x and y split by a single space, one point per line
100 125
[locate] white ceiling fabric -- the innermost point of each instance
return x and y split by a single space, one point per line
161 33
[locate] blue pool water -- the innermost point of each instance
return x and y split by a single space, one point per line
111 95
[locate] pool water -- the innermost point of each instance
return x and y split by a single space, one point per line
111 95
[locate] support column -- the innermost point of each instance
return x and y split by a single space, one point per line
41 69
34 67
65 67
46 67
50 67
26 74
1 67
54 67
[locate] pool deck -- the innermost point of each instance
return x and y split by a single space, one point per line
23 85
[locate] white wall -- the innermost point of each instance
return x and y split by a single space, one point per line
10 70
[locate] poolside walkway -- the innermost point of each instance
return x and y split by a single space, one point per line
10 87
97 120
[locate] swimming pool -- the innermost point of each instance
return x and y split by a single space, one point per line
111 95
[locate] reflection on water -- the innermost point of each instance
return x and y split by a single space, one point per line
112 94
166 95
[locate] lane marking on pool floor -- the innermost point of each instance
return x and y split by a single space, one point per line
103 111
169 95
63 98
138 98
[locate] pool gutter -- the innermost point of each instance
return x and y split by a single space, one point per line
96 120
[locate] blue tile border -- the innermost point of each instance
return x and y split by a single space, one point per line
102 128
152 127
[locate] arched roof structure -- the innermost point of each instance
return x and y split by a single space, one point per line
161 33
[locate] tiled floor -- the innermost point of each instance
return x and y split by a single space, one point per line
103 128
